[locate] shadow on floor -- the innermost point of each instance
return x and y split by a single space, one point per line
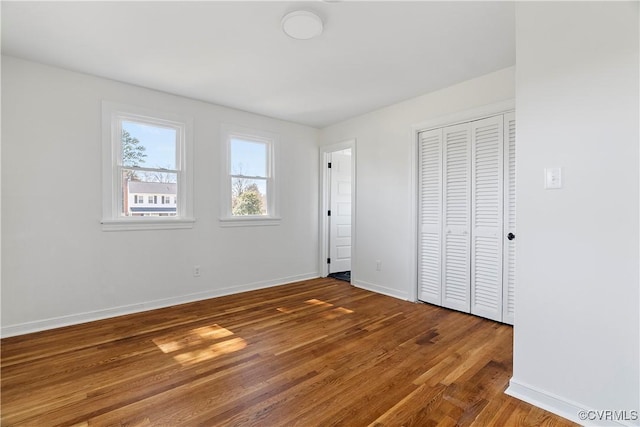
342 275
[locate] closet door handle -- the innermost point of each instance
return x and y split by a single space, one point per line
511 236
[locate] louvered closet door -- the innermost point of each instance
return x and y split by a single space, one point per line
486 217
430 214
456 217
509 268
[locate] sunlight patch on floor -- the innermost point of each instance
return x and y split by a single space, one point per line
319 302
212 332
200 344
211 352
195 337
336 312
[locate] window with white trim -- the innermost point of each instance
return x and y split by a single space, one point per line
249 187
145 152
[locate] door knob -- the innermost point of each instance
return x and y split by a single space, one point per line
511 236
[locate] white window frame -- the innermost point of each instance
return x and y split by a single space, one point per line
113 114
227 219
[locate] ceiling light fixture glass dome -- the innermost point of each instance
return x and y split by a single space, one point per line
302 25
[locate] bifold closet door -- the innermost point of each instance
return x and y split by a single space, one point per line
509 232
456 141
466 244
430 216
487 195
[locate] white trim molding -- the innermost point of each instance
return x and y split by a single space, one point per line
390 292
565 408
147 224
466 115
249 221
90 316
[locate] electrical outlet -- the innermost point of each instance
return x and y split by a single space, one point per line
378 265
196 271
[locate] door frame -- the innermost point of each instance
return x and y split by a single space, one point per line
438 122
325 189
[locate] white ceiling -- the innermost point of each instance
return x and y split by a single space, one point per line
371 54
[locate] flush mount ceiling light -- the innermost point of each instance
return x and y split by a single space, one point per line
302 25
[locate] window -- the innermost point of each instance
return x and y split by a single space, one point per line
249 189
145 152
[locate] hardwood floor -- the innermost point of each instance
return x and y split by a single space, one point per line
313 353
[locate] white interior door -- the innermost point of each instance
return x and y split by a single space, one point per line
430 216
456 217
509 233
340 207
487 151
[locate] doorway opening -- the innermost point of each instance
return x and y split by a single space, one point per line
337 210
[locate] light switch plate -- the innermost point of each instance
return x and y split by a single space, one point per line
552 178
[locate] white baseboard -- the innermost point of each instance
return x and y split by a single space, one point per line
380 289
563 407
90 316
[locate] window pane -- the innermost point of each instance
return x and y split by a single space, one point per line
248 196
248 158
148 146
152 186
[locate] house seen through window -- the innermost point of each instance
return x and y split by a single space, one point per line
148 169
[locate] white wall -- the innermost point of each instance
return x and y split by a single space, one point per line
60 267
577 315
384 224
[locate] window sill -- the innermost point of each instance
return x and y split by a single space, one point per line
147 224
249 221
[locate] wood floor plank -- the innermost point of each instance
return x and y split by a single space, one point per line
312 353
